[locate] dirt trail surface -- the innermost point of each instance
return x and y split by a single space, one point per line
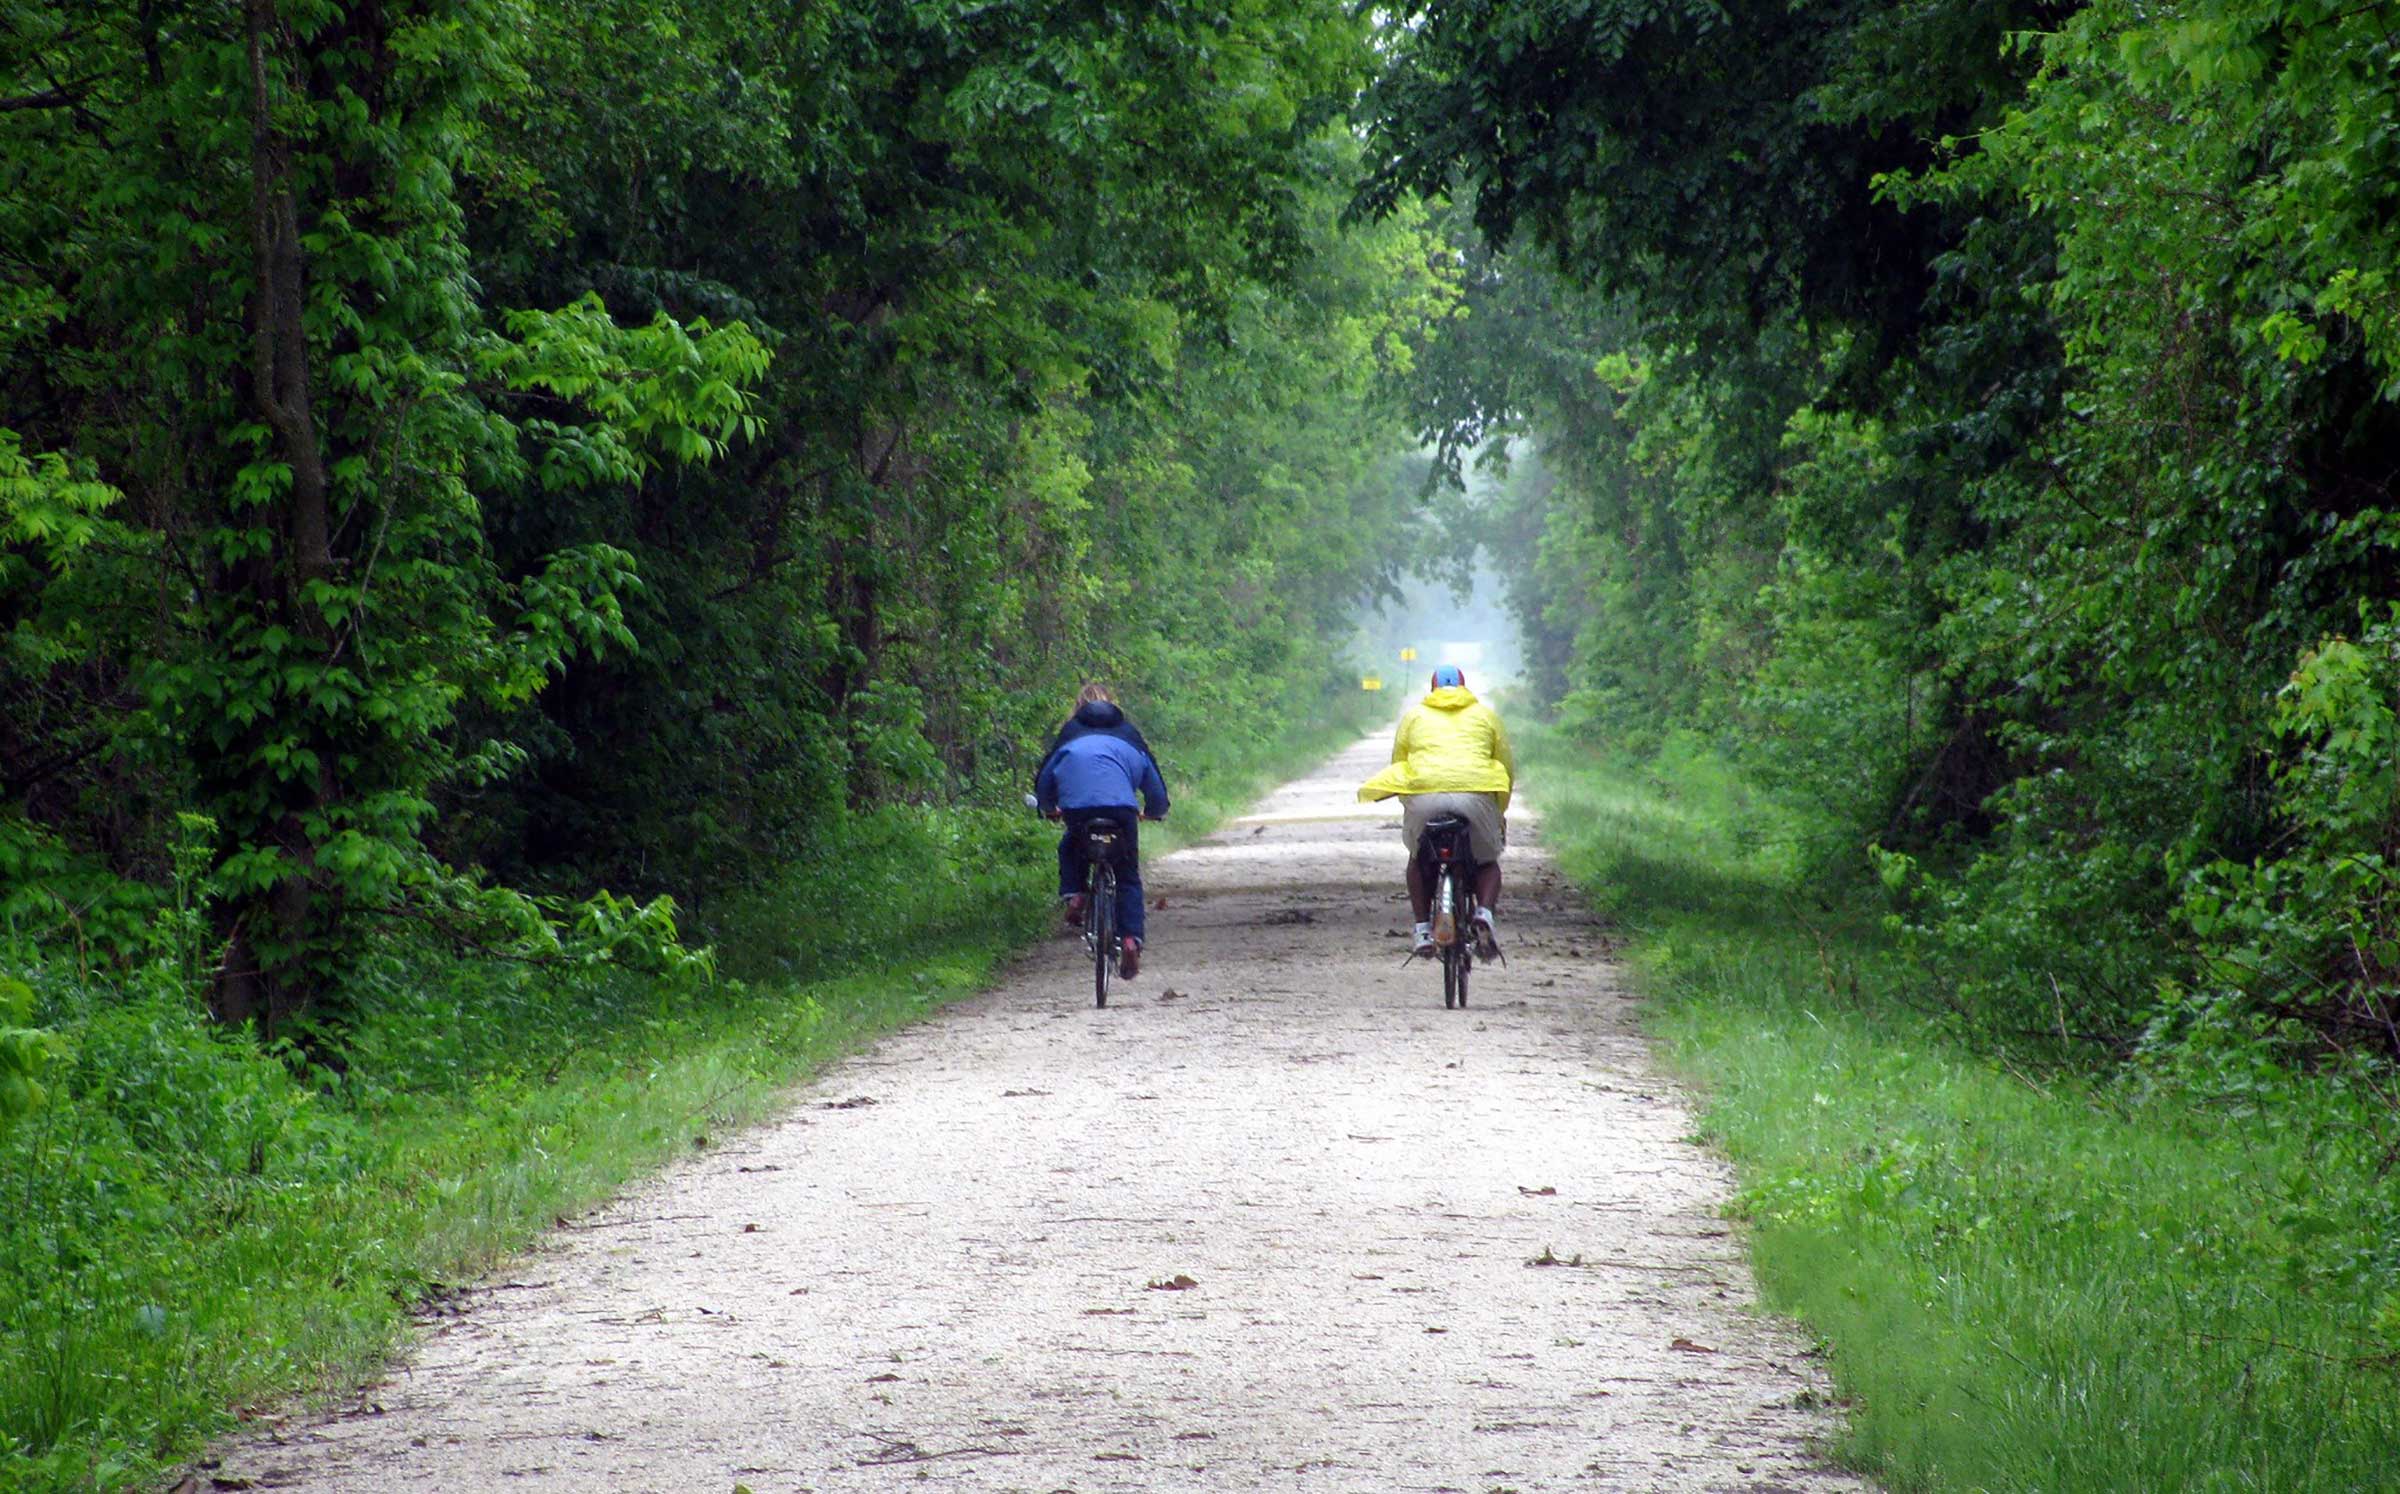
1273 1220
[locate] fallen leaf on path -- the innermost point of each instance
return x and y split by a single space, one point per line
1175 1283
1195 1436
1170 994
882 1379
1024 1094
1161 903
1116 1457
762 1167
855 1102
1545 1191
1261 830
1364 1276
1437 1330
1688 1347
750 1229
1108 1312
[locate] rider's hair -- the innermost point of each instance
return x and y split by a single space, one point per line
1093 690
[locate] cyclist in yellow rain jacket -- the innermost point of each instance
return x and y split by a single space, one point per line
1451 756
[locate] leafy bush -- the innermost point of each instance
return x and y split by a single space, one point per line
2300 949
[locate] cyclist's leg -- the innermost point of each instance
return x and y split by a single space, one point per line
1071 866
1070 858
1487 838
1129 879
1412 834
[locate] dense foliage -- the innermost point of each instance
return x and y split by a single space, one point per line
603 445
1984 417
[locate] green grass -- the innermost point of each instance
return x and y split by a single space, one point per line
2025 1278
192 1228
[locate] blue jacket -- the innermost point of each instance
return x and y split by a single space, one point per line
1099 770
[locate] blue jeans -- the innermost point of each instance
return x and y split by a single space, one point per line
1128 862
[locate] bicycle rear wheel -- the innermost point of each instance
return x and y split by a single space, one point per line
1104 931
1466 963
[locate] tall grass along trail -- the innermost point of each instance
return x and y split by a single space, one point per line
1272 1220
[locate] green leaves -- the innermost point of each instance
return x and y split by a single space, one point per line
664 390
25 1051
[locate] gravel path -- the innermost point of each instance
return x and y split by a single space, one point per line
1273 1220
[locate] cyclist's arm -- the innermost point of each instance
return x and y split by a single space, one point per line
1507 757
1154 790
1045 785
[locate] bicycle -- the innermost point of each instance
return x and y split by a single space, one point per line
1447 851
1100 934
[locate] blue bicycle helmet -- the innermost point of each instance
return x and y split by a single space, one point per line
1447 675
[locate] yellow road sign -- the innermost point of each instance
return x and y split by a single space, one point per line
1408 655
1370 682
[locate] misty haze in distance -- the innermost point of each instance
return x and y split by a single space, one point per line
1474 631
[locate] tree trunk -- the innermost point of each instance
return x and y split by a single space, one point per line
260 978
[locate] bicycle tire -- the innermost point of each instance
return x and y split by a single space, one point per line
1447 891
1466 963
1104 930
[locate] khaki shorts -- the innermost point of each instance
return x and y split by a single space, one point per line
1487 832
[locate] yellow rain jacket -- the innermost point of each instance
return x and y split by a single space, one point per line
1452 743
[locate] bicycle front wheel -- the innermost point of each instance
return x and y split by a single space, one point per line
1104 931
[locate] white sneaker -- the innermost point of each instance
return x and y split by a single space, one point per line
1487 938
1425 940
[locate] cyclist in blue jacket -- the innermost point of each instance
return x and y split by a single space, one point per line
1097 772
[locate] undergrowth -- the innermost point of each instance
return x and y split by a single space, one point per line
192 1229
2025 1274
